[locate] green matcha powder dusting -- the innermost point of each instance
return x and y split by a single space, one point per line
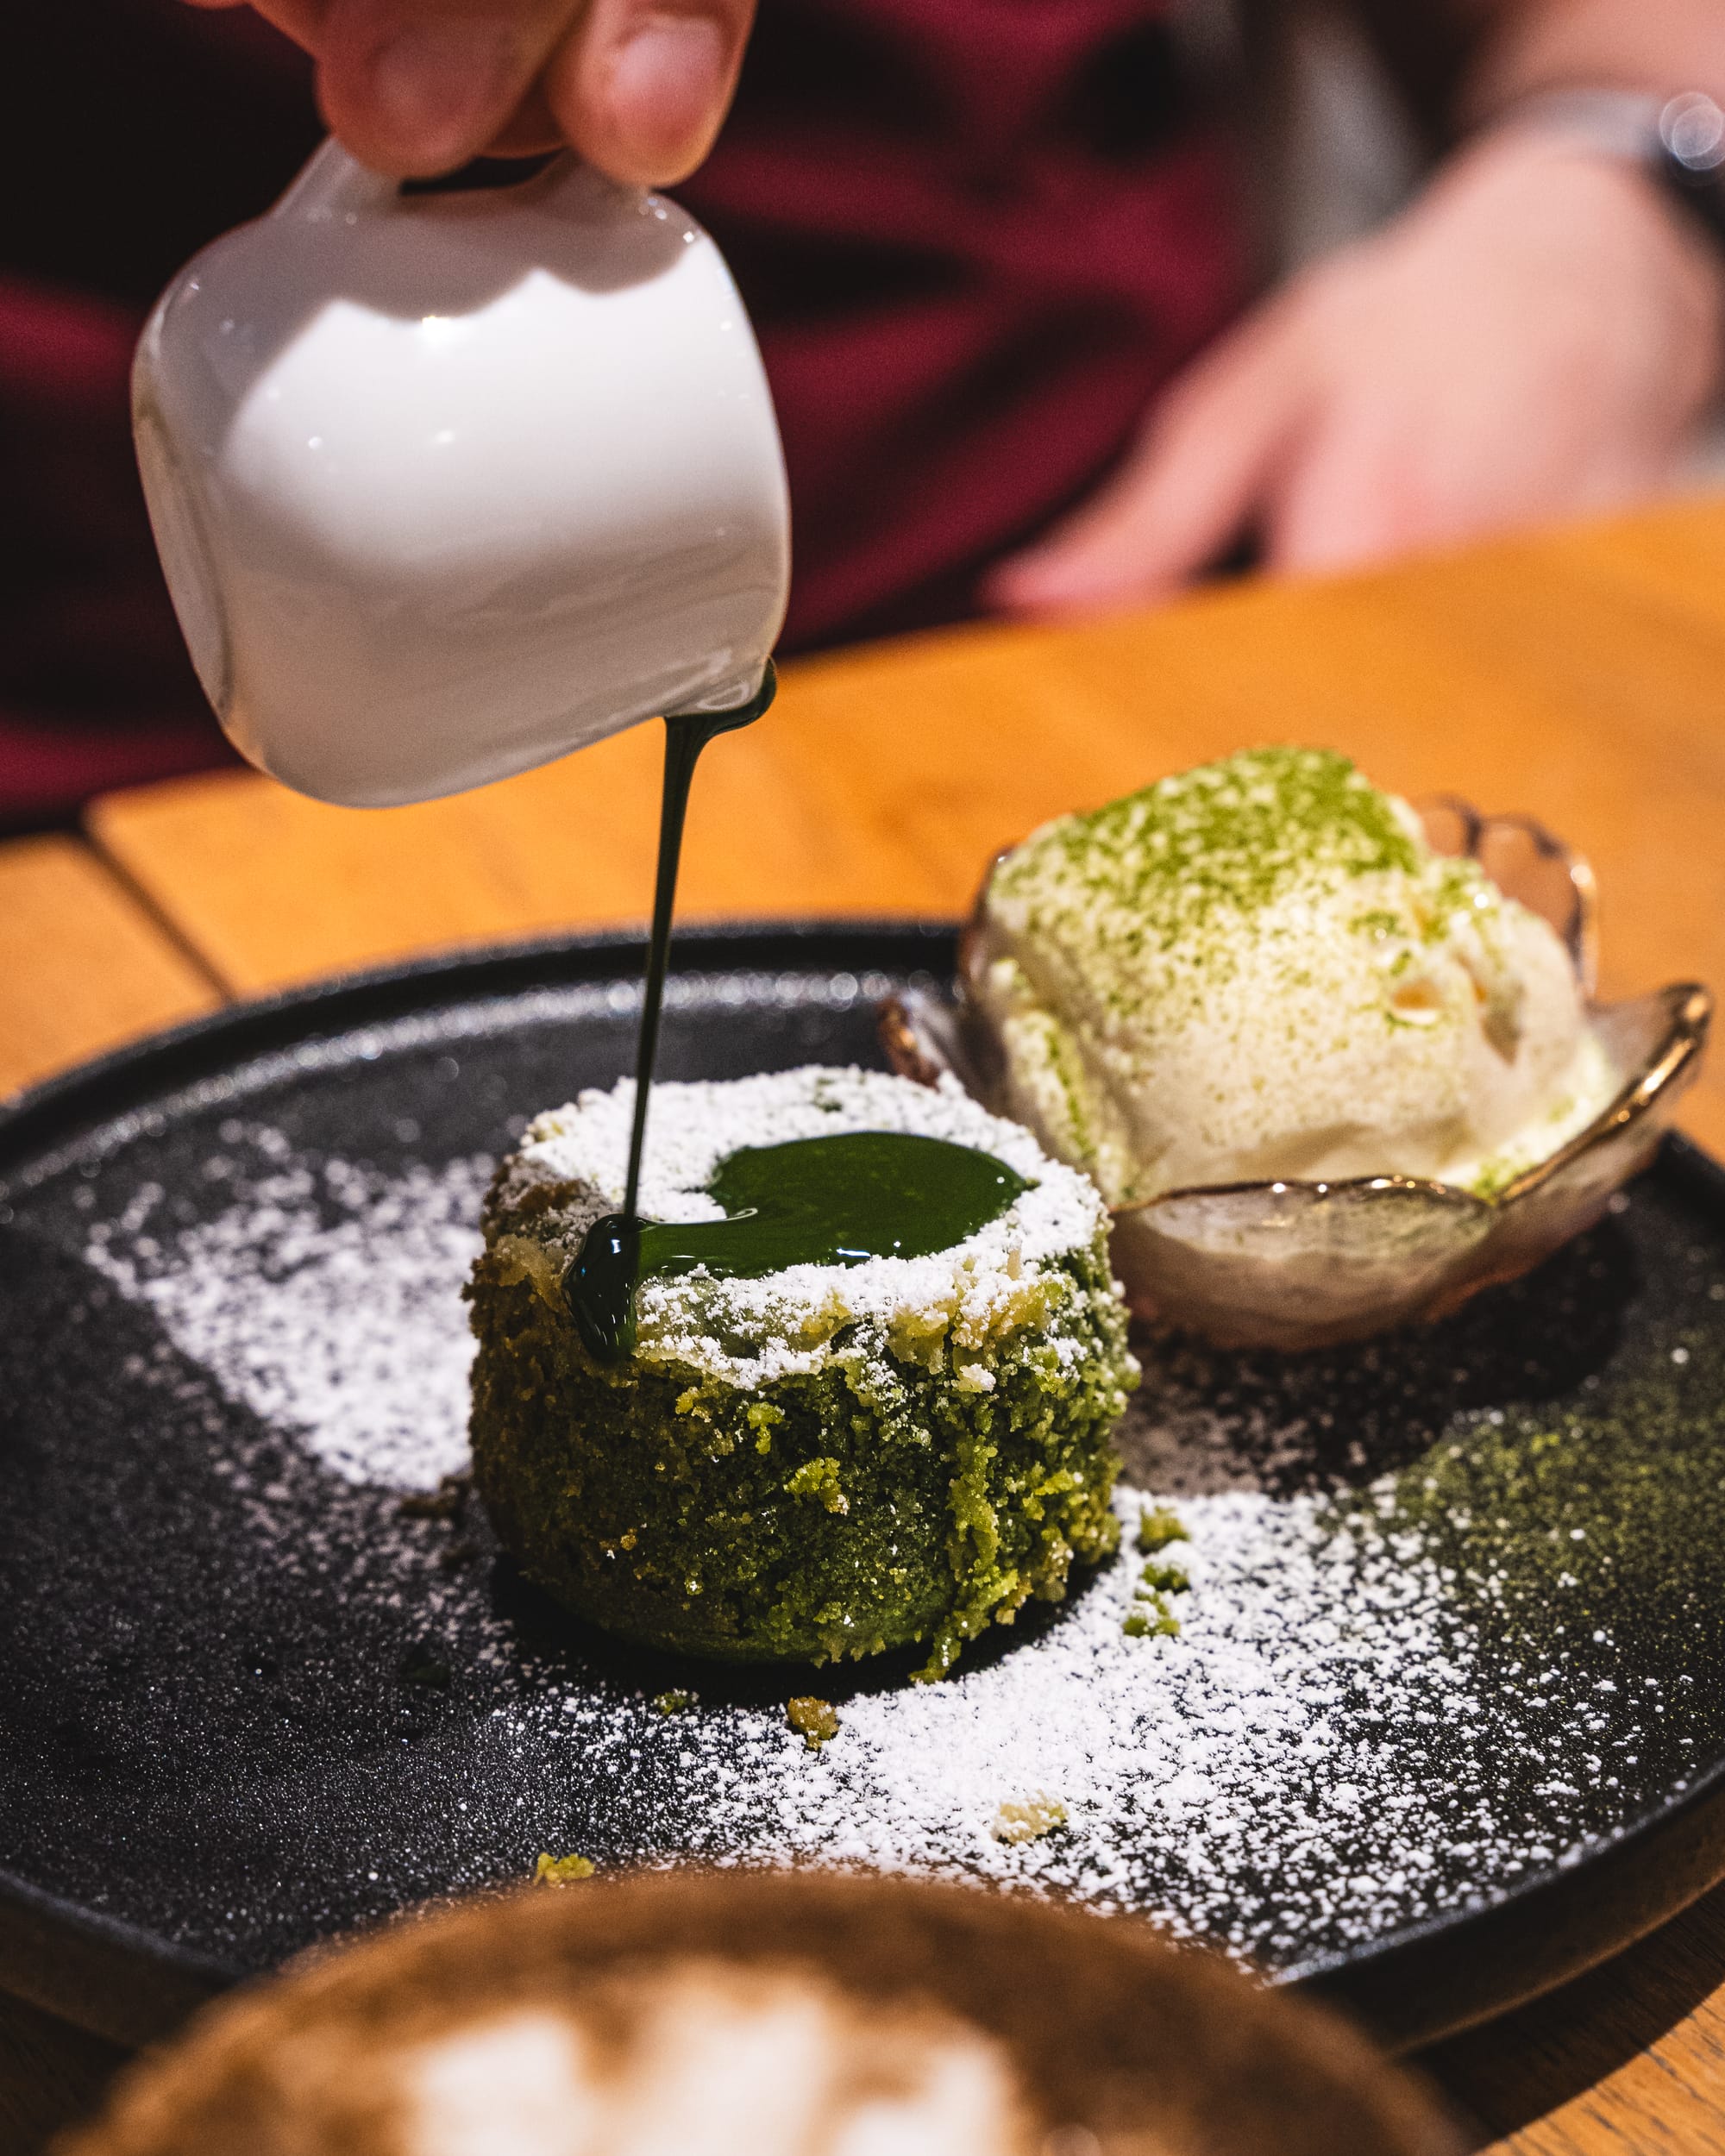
1175 865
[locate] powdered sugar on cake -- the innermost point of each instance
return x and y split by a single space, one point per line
747 1330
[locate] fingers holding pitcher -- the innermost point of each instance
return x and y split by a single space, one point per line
641 88
418 87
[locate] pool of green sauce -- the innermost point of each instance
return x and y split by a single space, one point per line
836 1200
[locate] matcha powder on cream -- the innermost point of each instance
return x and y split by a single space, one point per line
1260 969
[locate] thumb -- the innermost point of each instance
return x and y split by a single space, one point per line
1206 464
642 86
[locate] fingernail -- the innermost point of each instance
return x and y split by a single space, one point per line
435 84
667 85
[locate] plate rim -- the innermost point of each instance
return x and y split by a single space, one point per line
266 1021
1428 1980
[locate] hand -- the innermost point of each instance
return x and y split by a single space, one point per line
418 87
1536 336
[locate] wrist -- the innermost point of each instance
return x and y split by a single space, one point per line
1577 210
1676 143
1674 148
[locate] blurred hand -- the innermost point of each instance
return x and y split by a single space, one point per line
1537 336
418 87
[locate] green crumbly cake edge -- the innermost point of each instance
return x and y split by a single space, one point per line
878 1500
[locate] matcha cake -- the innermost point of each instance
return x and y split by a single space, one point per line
825 1460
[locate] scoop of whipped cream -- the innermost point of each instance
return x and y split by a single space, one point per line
1259 970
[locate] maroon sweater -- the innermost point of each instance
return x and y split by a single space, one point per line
976 237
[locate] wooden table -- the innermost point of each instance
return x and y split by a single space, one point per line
1580 674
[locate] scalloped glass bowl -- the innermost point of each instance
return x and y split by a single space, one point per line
1294 1265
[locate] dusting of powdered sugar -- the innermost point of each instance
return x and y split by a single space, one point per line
1332 1748
1257 1782
745 1329
326 1298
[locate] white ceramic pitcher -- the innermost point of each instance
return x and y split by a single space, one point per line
447 484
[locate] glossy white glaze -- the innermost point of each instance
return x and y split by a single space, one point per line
446 486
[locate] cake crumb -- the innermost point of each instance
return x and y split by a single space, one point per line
1158 1526
816 1720
448 1501
1151 1613
551 1870
1028 1821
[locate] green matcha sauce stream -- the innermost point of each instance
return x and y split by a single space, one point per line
822 1200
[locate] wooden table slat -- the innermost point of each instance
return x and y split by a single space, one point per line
83 966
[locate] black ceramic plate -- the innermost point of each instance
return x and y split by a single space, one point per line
1446 1719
